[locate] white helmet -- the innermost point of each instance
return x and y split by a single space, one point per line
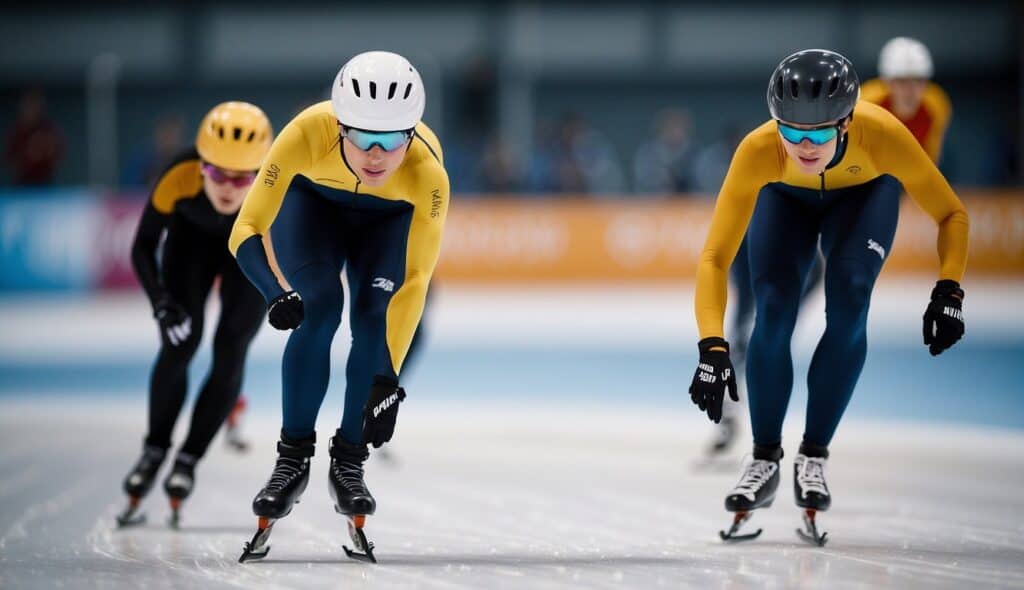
903 57
378 91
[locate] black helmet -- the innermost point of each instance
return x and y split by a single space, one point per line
813 86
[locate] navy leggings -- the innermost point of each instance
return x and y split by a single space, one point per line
856 226
318 232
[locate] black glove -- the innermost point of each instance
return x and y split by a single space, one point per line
944 317
175 323
285 312
381 411
714 373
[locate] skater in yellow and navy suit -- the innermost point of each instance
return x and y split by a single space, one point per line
825 166
357 182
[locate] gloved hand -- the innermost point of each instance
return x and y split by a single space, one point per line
714 374
944 317
381 411
285 312
175 323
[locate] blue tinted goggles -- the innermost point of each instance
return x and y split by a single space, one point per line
818 136
388 141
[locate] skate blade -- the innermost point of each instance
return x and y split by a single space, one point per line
131 516
738 519
363 549
129 520
259 547
734 538
810 531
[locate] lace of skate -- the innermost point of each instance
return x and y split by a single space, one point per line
811 476
350 474
285 471
756 474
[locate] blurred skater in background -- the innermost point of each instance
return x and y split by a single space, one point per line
192 207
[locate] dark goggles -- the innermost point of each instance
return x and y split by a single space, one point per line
219 176
817 136
388 141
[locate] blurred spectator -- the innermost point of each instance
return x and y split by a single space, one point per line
500 169
147 161
476 99
576 159
664 164
712 163
35 144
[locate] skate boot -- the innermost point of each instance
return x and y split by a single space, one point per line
179 484
138 483
233 427
283 490
351 498
756 489
810 490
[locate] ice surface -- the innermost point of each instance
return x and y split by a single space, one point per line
511 495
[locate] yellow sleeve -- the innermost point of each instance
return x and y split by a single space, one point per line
937 102
289 155
422 251
755 164
181 180
874 91
899 154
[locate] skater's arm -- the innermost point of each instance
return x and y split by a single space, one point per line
757 162
422 251
901 155
289 154
181 180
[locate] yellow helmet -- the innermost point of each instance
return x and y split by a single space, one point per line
235 136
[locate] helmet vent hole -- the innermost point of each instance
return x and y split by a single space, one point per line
794 88
816 89
373 90
408 90
238 133
834 86
392 89
778 88
252 136
355 87
220 132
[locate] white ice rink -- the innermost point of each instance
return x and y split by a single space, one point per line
498 497
488 488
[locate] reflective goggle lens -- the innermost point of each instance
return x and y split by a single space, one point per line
818 136
388 141
219 176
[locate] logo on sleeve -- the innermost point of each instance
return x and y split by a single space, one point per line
272 173
384 284
873 245
435 203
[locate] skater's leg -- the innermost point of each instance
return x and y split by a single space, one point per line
783 238
242 313
309 250
376 271
188 276
743 310
857 235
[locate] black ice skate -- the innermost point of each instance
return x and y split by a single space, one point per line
179 484
283 490
351 498
756 489
811 491
138 483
